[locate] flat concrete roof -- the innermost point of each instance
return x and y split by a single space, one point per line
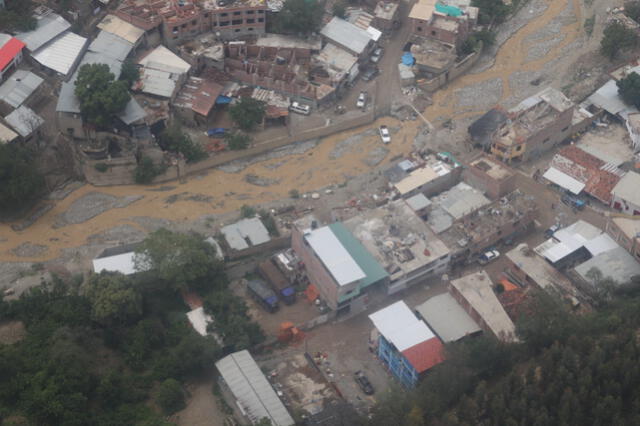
447 318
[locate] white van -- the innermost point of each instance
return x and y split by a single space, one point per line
300 108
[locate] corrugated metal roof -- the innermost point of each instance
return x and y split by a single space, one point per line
400 326
18 87
132 112
159 83
9 50
199 320
122 263
24 121
334 255
163 59
49 27
116 26
447 318
418 202
250 229
61 54
628 188
252 390
563 180
67 100
346 34
6 134
111 45
608 99
461 200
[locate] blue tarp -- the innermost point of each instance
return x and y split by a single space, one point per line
219 131
223 100
407 59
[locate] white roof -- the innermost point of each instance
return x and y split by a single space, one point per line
374 33
61 54
447 318
628 188
111 45
163 59
24 121
6 134
608 99
251 229
18 87
400 326
48 28
333 255
563 180
600 244
346 34
159 83
199 320
253 392
568 240
116 26
418 201
122 263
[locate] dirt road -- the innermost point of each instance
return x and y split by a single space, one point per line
313 169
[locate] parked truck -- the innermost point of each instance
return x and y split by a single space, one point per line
280 284
261 292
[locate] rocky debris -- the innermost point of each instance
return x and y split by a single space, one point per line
295 148
91 205
260 181
123 234
29 250
421 140
151 224
187 196
62 193
541 49
375 156
402 111
350 144
482 95
163 188
40 211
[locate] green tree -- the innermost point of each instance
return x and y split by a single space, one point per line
632 10
114 299
100 95
247 211
20 181
629 89
129 73
617 37
237 140
339 9
17 16
146 171
170 396
247 113
175 140
491 11
299 17
265 421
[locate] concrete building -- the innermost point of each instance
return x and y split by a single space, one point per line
625 196
536 125
405 344
10 54
162 73
246 389
244 234
431 179
447 318
386 15
432 57
492 177
21 88
349 37
420 205
626 232
204 51
114 25
443 22
402 243
481 131
475 294
615 264
453 205
337 264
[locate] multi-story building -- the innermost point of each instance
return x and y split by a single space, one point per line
448 23
492 177
625 232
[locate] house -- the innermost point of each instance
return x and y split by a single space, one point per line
61 54
68 115
196 99
386 15
447 318
402 243
10 54
615 264
113 25
243 385
24 121
338 67
626 232
431 179
118 259
475 294
162 73
49 25
453 205
348 36
535 126
7 135
481 131
337 264
448 23
431 57
420 204
21 88
492 177
405 344
625 196
245 233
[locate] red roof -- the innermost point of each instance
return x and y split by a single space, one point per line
9 51
425 355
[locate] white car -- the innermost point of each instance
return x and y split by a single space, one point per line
362 100
488 256
385 135
300 108
375 56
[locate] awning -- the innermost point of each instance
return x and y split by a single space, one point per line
563 180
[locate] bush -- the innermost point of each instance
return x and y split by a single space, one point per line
175 140
237 140
146 171
247 211
629 89
294 193
339 9
617 37
247 113
269 223
170 396
101 167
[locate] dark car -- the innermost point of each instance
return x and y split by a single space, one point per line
218 132
370 73
363 382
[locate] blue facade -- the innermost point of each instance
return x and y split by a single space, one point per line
397 363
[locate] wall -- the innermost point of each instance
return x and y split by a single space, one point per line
616 233
70 124
454 72
462 301
624 206
121 171
271 245
397 363
549 137
493 188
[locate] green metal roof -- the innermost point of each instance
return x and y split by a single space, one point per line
373 270
448 10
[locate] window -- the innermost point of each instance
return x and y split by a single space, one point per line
224 14
261 12
214 24
237 30
194 22
206 15
224 23
236 22
250 12
260 19
419 29
250 21
237 13
175 29
546 140
183 26
250 29
433 33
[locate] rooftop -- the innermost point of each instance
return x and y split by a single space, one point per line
616 264
6 134
9 48
483 128
18 87
49 26
245 233
346 34
447 318
398 239
205 45
418 202
630 227
543 274
422 176
199 95
287 41
60 55
132 112
444 23
385 10
477 290
67 100
432 53
492 168
111 45
252 390
607 98
116 26
163 59
423 10
572 238
461 200
628 188
24 121
336 61
122 263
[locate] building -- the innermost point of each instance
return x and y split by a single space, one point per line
246 389
196 99
475 294
7 135
61 54
536 125
526 267
334 66
432 57
162 73
386 15
49 25
402 243
176 21
337 264
447 318
405 344
21 88
492 177
113 25
578 171
625 232
68 115
205 51
615 264
625 196
10 54
481 131
118 259
349 37
444 22
245 233
431 179
420 204
453 205
24 121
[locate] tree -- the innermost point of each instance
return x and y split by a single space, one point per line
247 113
491 11
17 16
632 10
114 299
617 37
175 140
179 260
146 171
265 421
170 396
299 17
247 211
100 95
237 140
129 73
629 89
20 181
339 9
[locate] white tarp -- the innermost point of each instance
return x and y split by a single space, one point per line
400 326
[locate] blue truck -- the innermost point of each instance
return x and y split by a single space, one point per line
261 292
280 284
